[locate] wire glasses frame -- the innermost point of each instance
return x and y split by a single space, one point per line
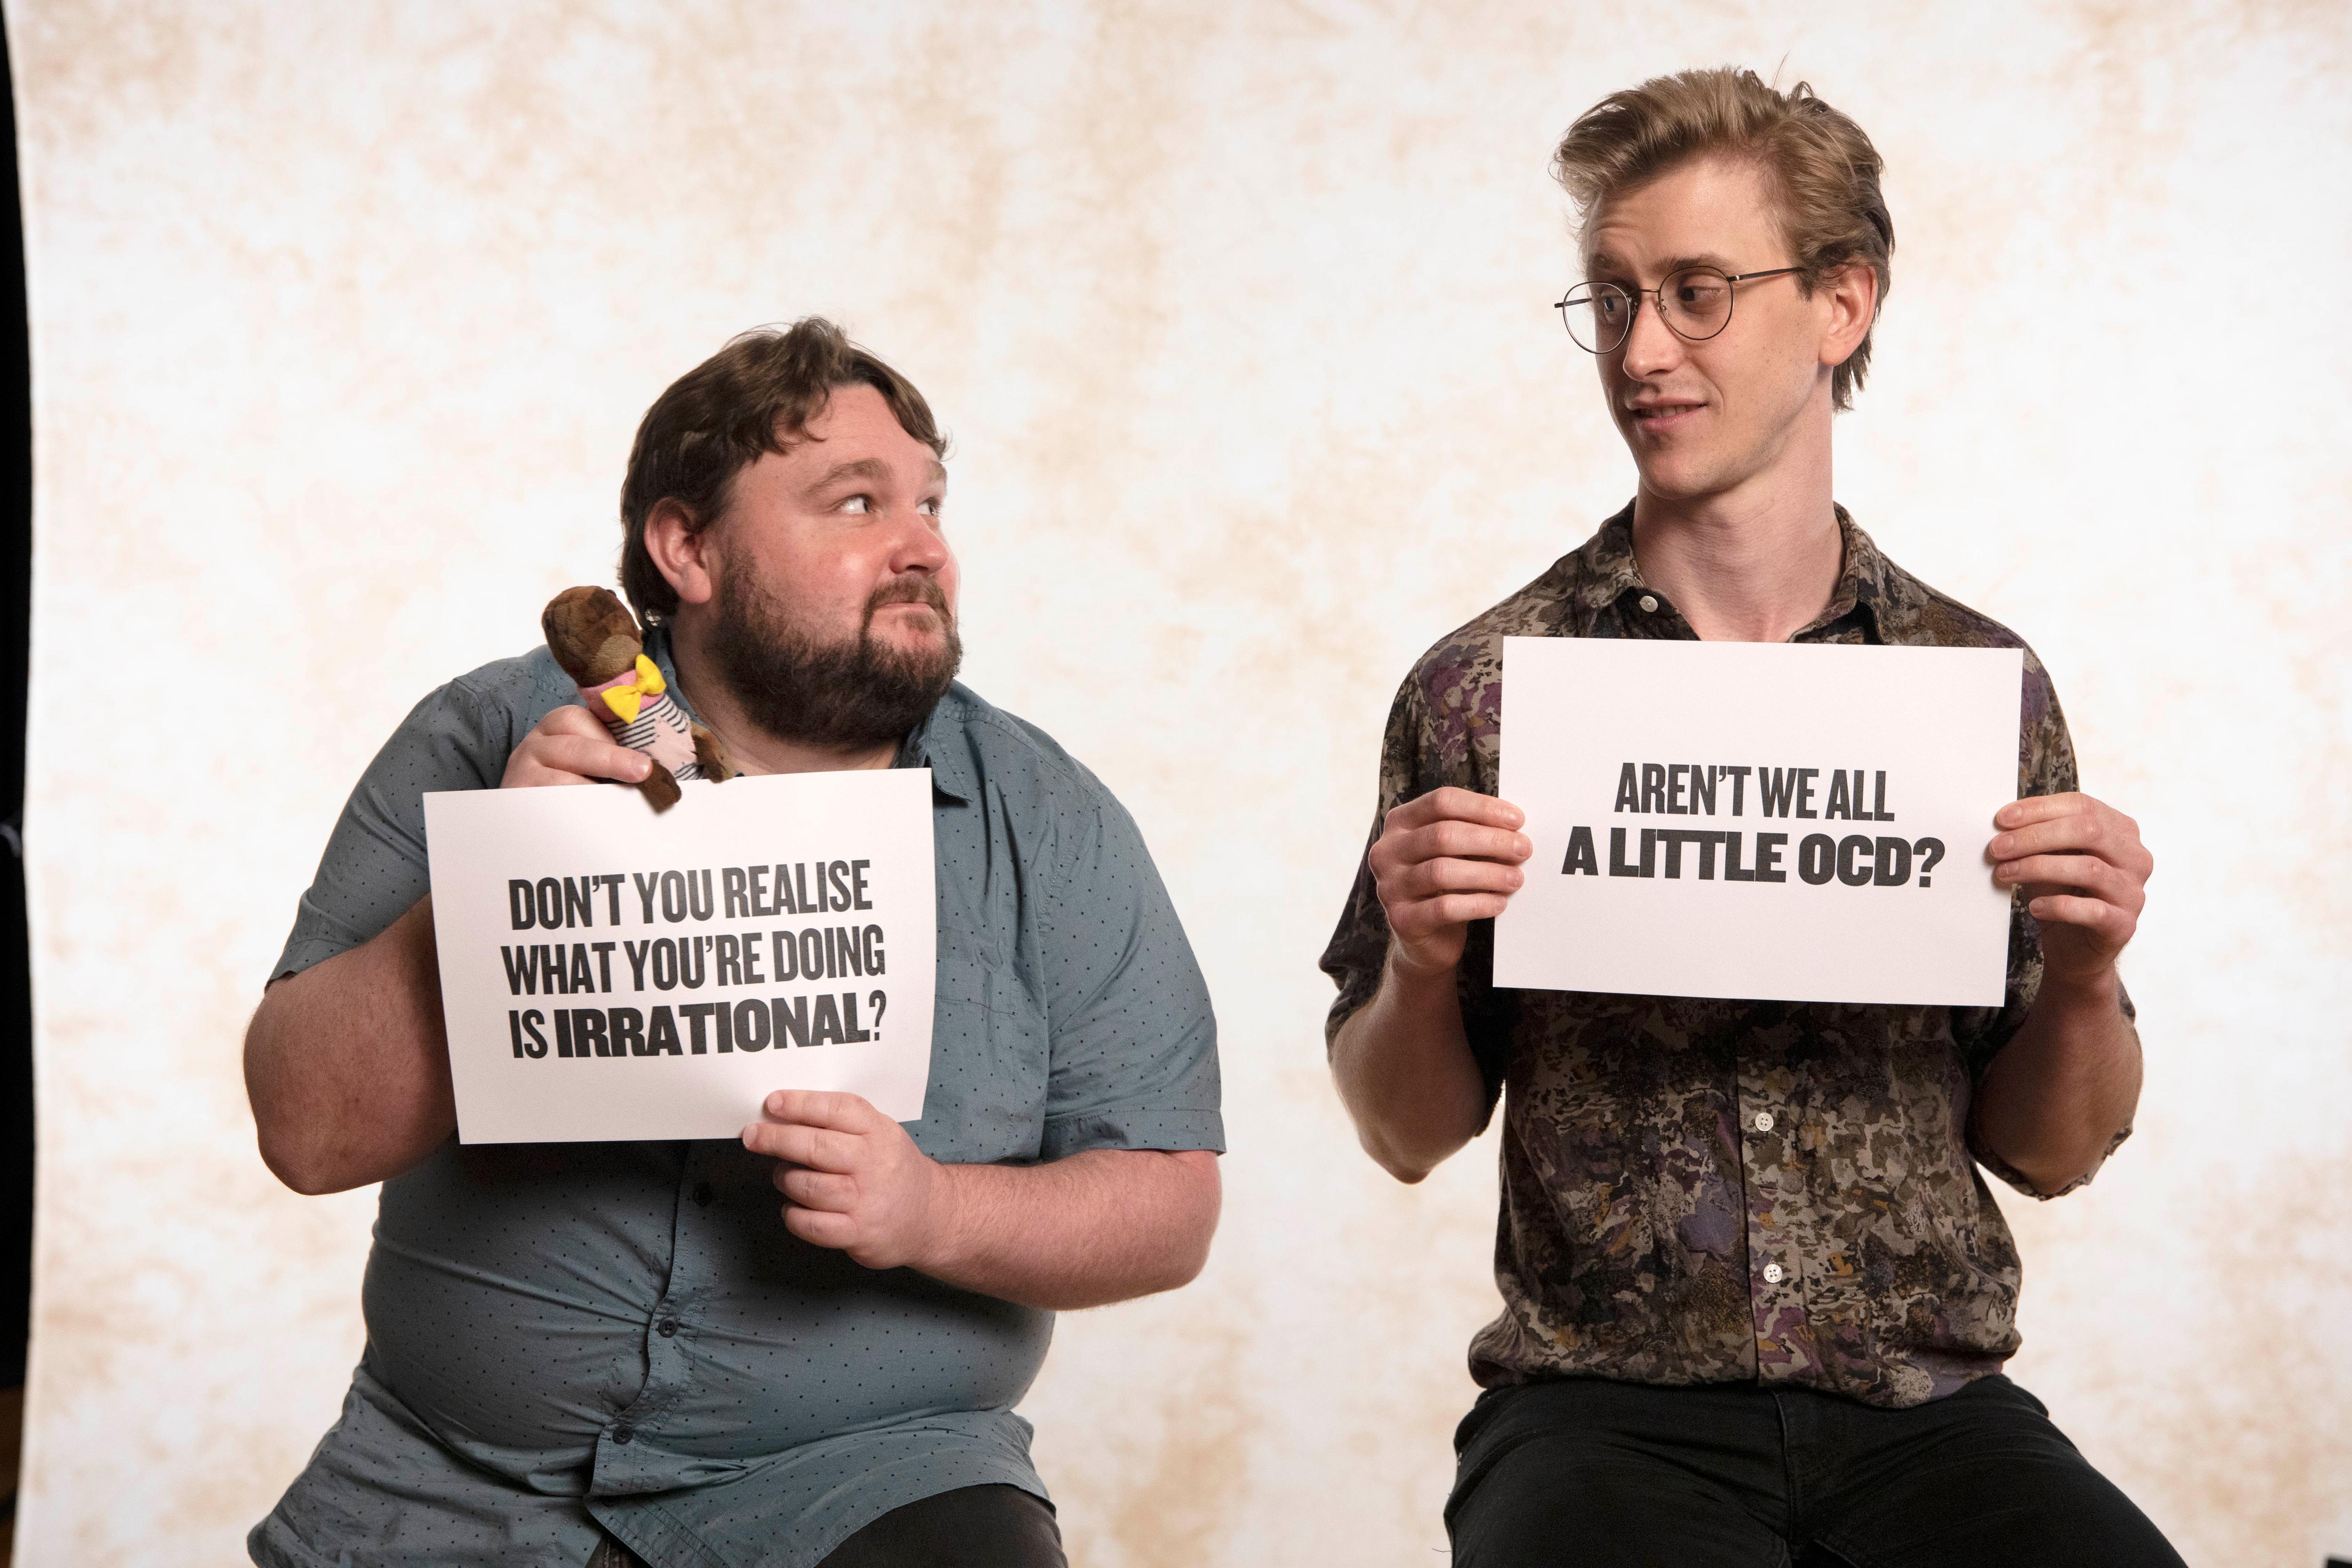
1695 303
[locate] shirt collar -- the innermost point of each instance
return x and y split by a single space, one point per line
1866 579
932 745
1609 572
1868 583
657 648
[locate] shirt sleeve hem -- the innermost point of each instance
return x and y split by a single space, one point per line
1166 1130
301 955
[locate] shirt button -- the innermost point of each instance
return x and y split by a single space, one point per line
1649 603
624 1434
1773 1275
667 1328
1763 1121
703 1193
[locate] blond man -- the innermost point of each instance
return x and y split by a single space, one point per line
1756 1294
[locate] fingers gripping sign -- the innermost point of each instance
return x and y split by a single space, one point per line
1443 860
852 1178
2084 873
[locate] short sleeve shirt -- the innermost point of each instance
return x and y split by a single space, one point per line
625 1332
1706 1190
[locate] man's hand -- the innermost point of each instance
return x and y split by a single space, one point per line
2086 878
570 747
856 1181
1103 1226
1441 861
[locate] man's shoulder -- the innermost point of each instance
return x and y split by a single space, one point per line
1910 612
1468 660
1538 610
1913 612
523 682
489 708
1006 751
1452 698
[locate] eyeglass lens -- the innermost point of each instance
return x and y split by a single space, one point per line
1696 302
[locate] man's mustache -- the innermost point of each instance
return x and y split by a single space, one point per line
910 591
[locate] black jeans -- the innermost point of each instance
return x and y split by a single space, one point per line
971 1527
1587 1471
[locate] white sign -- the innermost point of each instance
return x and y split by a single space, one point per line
609 974
1796 822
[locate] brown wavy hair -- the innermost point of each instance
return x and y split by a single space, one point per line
752 397
1822 170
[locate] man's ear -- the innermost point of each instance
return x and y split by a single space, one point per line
1852 294
681 551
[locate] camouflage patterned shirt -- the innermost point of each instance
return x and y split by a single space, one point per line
1704 1191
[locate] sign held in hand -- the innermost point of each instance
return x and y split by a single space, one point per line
1780 821
609 974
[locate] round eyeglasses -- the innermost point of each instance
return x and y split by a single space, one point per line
1695 302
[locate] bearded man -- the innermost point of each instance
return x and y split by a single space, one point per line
616 1352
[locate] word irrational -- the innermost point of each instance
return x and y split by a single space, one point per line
693 1029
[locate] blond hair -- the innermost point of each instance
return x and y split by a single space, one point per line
1822 171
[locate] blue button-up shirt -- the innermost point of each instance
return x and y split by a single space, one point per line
566 1336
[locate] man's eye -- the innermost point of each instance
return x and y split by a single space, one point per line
930 508
858 504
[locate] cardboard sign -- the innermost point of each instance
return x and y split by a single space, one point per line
610 974
1783 821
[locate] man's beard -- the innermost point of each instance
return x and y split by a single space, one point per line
855 693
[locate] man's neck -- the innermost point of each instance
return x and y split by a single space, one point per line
750 748
1757 563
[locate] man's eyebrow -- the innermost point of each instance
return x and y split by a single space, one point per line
857 468
871 469
1601 262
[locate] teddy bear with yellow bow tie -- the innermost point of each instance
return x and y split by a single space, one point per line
596 640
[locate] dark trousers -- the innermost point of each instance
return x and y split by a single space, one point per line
971 1527
1587 1471
974 1526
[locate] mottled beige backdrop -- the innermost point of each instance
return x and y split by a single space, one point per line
343 314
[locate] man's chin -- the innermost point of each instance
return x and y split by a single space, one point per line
923 645
908 626
1681 476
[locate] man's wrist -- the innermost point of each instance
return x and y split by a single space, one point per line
1410 975
2096 992
943 1235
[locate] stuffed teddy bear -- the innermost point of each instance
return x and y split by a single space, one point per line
596 640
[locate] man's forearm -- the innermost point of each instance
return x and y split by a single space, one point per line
2054 1099
1406 1074
1097 1227
347 1064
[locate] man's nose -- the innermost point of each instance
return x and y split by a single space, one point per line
1651 345
920 545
